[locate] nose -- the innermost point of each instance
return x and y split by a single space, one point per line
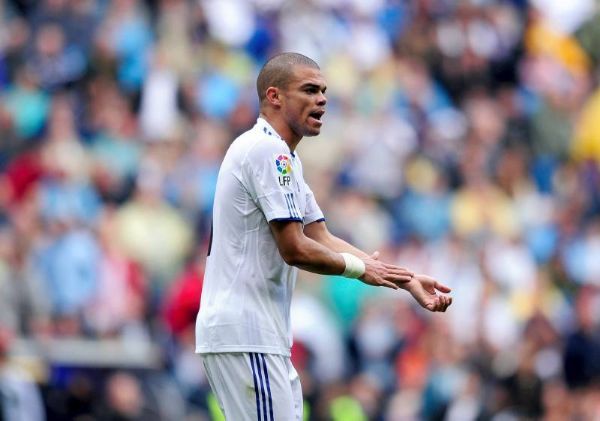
321 100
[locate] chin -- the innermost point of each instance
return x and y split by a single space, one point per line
311 132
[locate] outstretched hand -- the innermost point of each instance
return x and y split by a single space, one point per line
378 273
425 289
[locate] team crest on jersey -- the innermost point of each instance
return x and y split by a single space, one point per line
284 168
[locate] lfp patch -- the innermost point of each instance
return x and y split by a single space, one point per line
284 169
284 165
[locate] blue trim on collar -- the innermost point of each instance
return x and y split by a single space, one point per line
267 128
270 131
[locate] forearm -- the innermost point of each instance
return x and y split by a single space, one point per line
357 264
315 257
340 246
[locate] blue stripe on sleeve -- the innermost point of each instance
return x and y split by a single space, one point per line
287 201
294 205
290 202
289 197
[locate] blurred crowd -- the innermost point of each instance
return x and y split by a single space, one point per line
462 140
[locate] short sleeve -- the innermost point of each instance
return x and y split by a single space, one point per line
313 211
269 176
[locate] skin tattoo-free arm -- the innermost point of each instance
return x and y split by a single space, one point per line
299 250
423 288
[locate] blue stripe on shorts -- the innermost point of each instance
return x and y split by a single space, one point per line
255 384
268 386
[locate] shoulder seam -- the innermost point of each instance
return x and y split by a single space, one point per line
256 141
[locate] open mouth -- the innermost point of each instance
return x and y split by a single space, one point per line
317 115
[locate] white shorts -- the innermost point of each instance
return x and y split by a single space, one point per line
253 386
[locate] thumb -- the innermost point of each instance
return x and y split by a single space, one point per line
442 288
375 255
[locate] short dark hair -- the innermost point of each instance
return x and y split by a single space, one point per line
278 70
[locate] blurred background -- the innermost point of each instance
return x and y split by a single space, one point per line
462 140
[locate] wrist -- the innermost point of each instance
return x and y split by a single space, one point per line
355 267
411 285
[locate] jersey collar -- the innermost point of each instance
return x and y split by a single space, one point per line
266 128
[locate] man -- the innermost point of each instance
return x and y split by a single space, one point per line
266 225
20 398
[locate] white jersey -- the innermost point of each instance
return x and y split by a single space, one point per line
245 305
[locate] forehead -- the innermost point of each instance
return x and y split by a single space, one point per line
302 75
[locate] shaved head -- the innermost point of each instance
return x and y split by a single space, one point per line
279 70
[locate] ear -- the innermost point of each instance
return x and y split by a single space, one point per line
273 96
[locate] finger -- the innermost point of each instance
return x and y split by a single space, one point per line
388 284
430 306
441 307
441 287
375 255
446 303
432 303
441 303
397 268
398 279
399 271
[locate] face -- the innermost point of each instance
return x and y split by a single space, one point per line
303 101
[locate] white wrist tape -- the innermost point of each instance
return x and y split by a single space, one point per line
355 267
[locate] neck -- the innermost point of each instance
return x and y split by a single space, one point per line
282 129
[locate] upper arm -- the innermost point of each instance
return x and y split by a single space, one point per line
288 236
317 231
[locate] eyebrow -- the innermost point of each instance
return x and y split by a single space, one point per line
314 85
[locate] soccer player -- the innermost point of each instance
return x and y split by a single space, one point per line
266 225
